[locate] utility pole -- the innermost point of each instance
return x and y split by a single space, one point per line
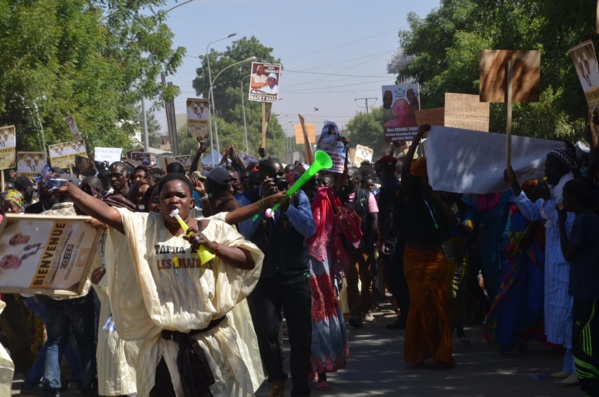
365 99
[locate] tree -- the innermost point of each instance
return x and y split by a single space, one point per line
93 59
227 91
446 44
366 129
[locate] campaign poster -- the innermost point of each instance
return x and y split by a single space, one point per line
400 103
63 154
107 154
331 143
46 254
265 82
30 164
70 120
585 62
363 153
185 161
139 157
198 118
7 147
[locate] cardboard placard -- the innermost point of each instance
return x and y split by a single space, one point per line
265 82
30 164
434 116
526 75
400 103
198 118
46 254
467 112
8 142
63 154
299 133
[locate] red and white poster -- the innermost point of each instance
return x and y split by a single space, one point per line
400 103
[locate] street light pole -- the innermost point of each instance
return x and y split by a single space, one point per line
210 92
245 124
250 59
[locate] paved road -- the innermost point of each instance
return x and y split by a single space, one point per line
376 368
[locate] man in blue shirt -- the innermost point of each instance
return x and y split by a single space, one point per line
284 283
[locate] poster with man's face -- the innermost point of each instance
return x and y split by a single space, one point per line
63 154
30 164
198 118
265 82
7 147
400 103
73 126
46 254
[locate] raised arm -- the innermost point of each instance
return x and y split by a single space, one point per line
93 207
407 163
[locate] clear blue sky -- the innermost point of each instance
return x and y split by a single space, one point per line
351 38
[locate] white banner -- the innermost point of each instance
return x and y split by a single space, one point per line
466 161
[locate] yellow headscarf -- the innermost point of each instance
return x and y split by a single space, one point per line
15 196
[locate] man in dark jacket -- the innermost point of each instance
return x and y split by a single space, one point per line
284 283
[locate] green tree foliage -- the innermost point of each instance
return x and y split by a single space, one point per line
446 45
366 129
93 59
228 89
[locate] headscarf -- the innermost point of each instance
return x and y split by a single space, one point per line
15 196
418 167
565 157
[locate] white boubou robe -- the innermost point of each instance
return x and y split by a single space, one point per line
157 292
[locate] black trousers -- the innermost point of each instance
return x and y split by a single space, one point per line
585 337
396 279
290 295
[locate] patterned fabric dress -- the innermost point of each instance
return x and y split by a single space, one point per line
517 312
329 338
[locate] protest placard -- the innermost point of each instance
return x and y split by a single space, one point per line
46 254
434 116
30 164
198 118
108 154
467 112
265 82
526 75
363 153
7 147
400 103
585 62
63 154
331 143
73 126
299 133
185 161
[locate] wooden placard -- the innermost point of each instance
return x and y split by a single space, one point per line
434 116
49 255
467 112
526 75
299 133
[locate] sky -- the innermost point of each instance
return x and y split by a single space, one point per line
334 53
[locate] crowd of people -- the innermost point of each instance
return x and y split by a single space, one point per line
156 319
